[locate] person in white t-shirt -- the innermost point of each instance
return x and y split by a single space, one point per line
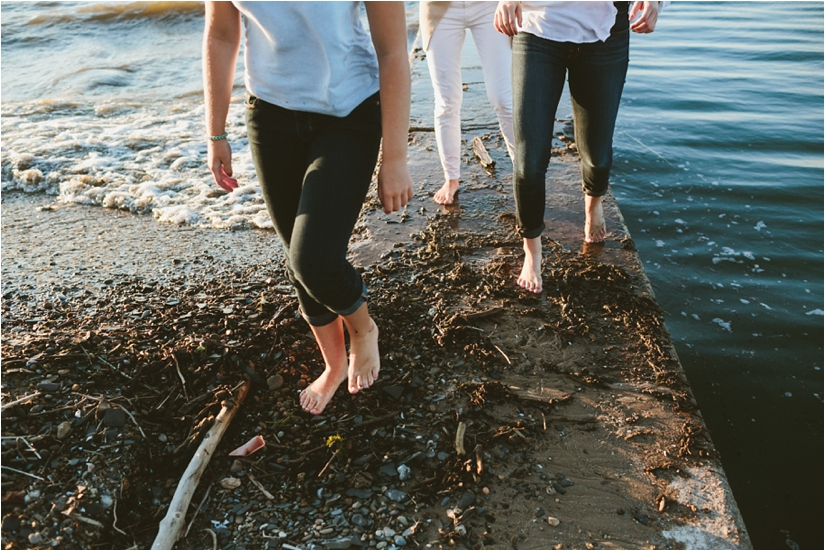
315 120
443 28
588 43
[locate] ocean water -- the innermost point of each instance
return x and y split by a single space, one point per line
718 172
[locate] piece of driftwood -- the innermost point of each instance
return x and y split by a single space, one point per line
172 524
481 152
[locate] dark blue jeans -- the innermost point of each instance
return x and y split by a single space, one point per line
596 74
315 171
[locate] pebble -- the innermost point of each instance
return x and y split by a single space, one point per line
275 382
230 483
35 538
403 472
114 418
553 521
358 520
388 470
388 532
63 430
339 543
395 495
400 541
467 499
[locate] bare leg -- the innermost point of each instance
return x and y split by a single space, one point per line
330 337
364 358
530 277
594 226
446 194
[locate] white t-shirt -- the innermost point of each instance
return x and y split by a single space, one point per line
308 56
578 22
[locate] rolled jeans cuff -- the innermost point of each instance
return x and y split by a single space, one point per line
531 234
328 317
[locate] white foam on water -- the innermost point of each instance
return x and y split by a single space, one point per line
145 159
759 225
723 324
817 312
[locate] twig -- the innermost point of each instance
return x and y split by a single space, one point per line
214 537
459 439
203 500
260 486
115 369
87 520
503 354
182 380
132 417
327 465
114 522
20 400
171 525
22 472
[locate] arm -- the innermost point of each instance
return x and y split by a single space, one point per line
508 18
646 23
221 41
389 36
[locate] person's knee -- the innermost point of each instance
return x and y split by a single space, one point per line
314 271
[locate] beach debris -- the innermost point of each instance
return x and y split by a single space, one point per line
172 524
459 439
481 154
254 444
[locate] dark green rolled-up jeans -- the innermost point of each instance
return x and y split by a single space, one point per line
315 171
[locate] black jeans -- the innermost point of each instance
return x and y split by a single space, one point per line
315 171
596 73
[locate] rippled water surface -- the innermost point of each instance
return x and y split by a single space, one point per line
719 174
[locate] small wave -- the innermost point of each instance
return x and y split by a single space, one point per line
117 12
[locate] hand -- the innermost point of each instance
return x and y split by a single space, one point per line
220 163
394 185
646 23
508 18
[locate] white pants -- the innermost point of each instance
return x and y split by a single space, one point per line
444 63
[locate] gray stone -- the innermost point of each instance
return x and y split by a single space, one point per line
338 543
395 495
358 520
275 382
365 493
400 541
466 500
388 470
114 418
63 430
49 387
395 391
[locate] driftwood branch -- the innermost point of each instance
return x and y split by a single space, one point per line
481 152
173 523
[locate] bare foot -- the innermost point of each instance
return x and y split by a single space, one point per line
446 194
316 396
330 338
594 225
530 277
364 357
